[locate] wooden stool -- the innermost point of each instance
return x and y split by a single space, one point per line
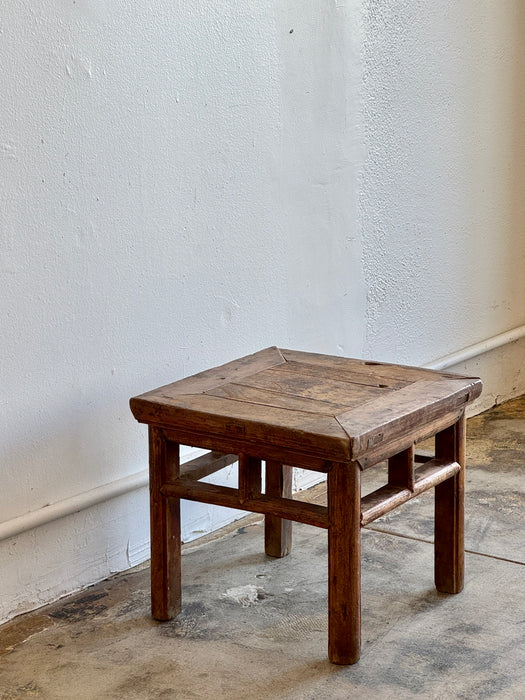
329 414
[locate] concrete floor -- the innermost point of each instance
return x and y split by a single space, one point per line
253 627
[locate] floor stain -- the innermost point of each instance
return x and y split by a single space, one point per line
29 690
21 629
81 608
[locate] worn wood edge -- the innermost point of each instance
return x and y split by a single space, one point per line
295 458
241 367
207 464
421 431
299 511
402 410
210 413
305 356
318 358
386 498
333 445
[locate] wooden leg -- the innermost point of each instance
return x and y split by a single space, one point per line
165 528
278 531
401 469
344 563
250 478
449 547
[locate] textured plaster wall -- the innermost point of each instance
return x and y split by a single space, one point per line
178 188
441 203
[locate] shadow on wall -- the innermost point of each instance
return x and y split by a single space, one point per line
497 114
516 245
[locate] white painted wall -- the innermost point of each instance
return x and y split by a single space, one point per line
442 210
183 183
157 159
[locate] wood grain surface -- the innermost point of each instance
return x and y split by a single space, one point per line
343 409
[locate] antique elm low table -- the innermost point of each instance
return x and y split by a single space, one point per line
329 414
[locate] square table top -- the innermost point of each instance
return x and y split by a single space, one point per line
333 407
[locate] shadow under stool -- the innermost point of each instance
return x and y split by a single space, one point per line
329 414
